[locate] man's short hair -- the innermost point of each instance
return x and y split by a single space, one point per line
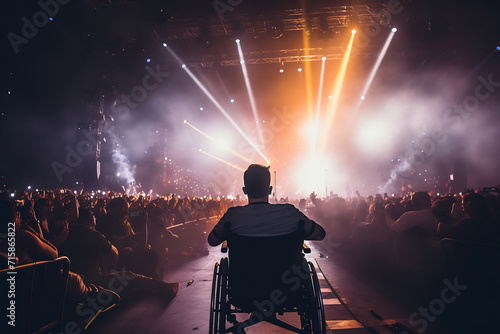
257 181
421 200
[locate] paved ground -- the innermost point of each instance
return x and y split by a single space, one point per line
189 311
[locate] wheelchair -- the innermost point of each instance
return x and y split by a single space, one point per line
265 277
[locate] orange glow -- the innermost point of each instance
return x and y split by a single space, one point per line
337 89
307 64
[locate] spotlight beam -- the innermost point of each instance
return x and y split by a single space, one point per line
217 104
250 93
337 89
223 161
318 106
307 64
378 62
218 143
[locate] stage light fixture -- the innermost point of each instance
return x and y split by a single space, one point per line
353 31
363 97
276 29
148 60
323 58
282 70
232 100
498 48
183 66
299 69
201 108
237 41
164 45
394 29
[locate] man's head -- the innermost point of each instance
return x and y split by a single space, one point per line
257 181
475 206
86 218
420 200
117 208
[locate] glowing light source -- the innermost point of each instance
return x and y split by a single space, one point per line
237 41
164 45
372 136
232 100
394 29
498 48
323 58
183 66
148 60
201 108
353 31
282 70
363 97
299 69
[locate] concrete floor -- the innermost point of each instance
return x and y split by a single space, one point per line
189 311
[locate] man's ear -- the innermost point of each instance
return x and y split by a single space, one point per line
270 190
244 190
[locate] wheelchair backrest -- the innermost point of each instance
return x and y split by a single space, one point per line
257 265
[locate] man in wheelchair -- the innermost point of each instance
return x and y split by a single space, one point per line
267 272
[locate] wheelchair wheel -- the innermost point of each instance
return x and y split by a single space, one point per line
219 298
312 312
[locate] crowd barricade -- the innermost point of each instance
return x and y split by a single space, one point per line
194 233
39 292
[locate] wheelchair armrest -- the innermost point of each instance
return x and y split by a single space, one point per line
306 248
223 247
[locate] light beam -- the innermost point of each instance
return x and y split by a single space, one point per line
377 63
218 142
315 133
217 104
337 89
221 160
250 93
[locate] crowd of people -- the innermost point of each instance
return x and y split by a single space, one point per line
106 231
412 247
106 235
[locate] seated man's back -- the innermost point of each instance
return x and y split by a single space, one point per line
265 242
